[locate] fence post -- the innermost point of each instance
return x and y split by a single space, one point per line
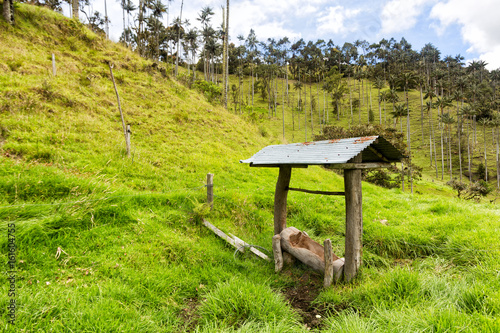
127 140
53 64
210 189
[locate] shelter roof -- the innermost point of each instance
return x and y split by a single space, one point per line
328 152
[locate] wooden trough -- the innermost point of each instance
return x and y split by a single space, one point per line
352 155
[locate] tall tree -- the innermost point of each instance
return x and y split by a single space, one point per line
178 42
379 84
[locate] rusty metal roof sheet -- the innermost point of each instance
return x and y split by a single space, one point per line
373 149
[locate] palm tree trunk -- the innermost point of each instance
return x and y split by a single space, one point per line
305 111
379 109
178 42
469 153
460 146
422 114
75 10
449 152
485 156
350 100
283 112
498 164
409 137
312 122
442 154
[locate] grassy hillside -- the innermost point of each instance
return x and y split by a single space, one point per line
108 243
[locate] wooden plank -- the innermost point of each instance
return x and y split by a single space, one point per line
278 256
280 196
241 243
354 221
221 234
352 166
327 245
315 192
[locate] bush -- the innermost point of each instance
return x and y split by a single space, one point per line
210 90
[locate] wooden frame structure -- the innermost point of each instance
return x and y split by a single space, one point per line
352 155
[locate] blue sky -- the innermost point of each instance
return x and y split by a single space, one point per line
467 27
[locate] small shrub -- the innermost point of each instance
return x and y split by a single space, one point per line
477 190
481 171
211 91
458 186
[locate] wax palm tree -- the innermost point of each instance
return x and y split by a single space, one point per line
495 122
448 120
393 97
469 112
399 112
208 33
297 86
485 122
379 84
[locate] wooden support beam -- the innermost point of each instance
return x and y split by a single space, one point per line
359 165
280 197
315 192
354 221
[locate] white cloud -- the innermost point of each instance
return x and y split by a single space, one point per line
401 15
479 24
333 20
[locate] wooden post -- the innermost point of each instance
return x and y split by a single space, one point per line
127 141
53 64
210 189
278 257
280 197
354 221
327 245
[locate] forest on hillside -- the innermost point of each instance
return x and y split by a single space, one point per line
443 105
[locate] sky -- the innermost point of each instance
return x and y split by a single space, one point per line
467 27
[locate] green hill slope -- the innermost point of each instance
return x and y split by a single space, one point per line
109 243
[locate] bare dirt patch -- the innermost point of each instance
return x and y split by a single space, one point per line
301 297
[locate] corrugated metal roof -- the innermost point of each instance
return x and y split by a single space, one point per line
327 152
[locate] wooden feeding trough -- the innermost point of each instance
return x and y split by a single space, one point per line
352 155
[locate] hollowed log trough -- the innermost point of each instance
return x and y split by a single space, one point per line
299 245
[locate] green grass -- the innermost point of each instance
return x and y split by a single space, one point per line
109 243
